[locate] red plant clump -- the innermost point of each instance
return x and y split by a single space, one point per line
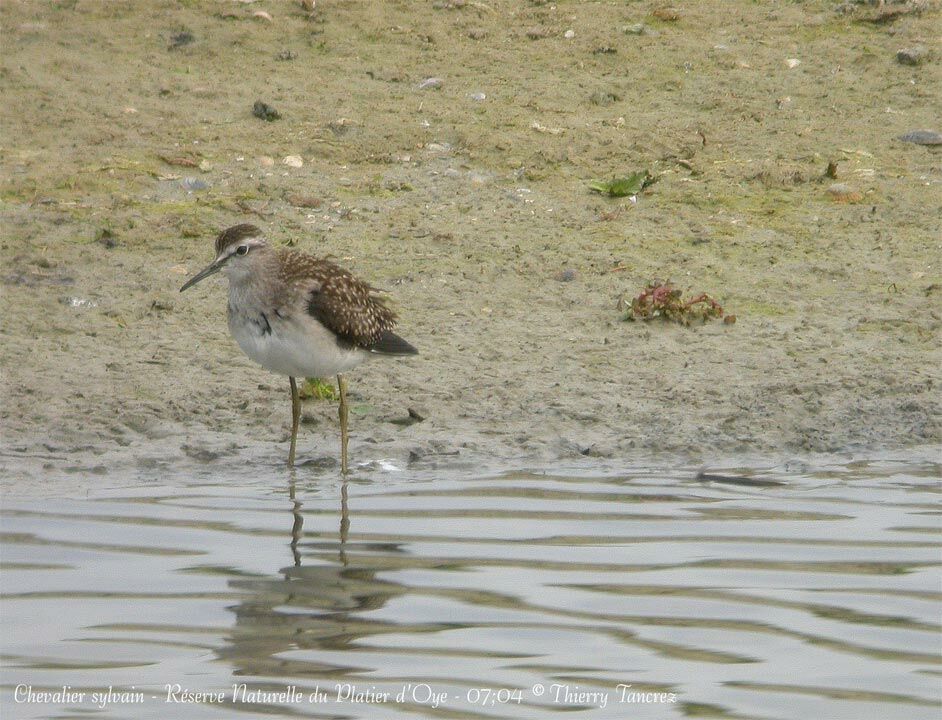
663 300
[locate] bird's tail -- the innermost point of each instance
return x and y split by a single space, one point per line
391 344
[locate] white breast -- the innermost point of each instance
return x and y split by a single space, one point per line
300 347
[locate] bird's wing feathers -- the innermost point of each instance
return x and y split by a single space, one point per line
341 302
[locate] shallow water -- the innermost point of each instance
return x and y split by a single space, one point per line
791 593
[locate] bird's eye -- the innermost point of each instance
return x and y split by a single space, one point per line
242 249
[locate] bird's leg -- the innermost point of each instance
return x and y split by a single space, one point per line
342 386
295 419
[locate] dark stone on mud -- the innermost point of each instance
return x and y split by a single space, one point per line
199 454
106 237
429 454
911 56
304 201
192 184
922 137
603 99
325 462
181 39
264 111
739 480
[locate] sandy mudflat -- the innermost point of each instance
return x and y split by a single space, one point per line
467 198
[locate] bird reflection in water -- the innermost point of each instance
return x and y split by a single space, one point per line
296 624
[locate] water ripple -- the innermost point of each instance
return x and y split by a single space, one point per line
652 594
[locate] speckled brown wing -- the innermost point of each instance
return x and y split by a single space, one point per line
343 303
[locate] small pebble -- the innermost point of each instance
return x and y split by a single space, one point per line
842 192
667 14
792 63
294 161
478 97
922 137
181 39
569 34
106 237
432 83
305 201
264 111
192 184
603 99
78 302
911 56
566 275
640 29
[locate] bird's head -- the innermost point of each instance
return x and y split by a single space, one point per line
234 248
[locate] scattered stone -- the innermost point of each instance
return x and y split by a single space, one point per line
432 83
286 55
911 56
295 161
106 237
78 302
842 192
566 275
478 96
605 50
339 127
305 201
792 63
640 29
192 184
569 34
426 454
741 480
540 127
200 454
264 111
416 415
922 137
179 161
262 15
320 463
181 39
603 99
667 14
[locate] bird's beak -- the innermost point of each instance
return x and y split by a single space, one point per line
211 269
